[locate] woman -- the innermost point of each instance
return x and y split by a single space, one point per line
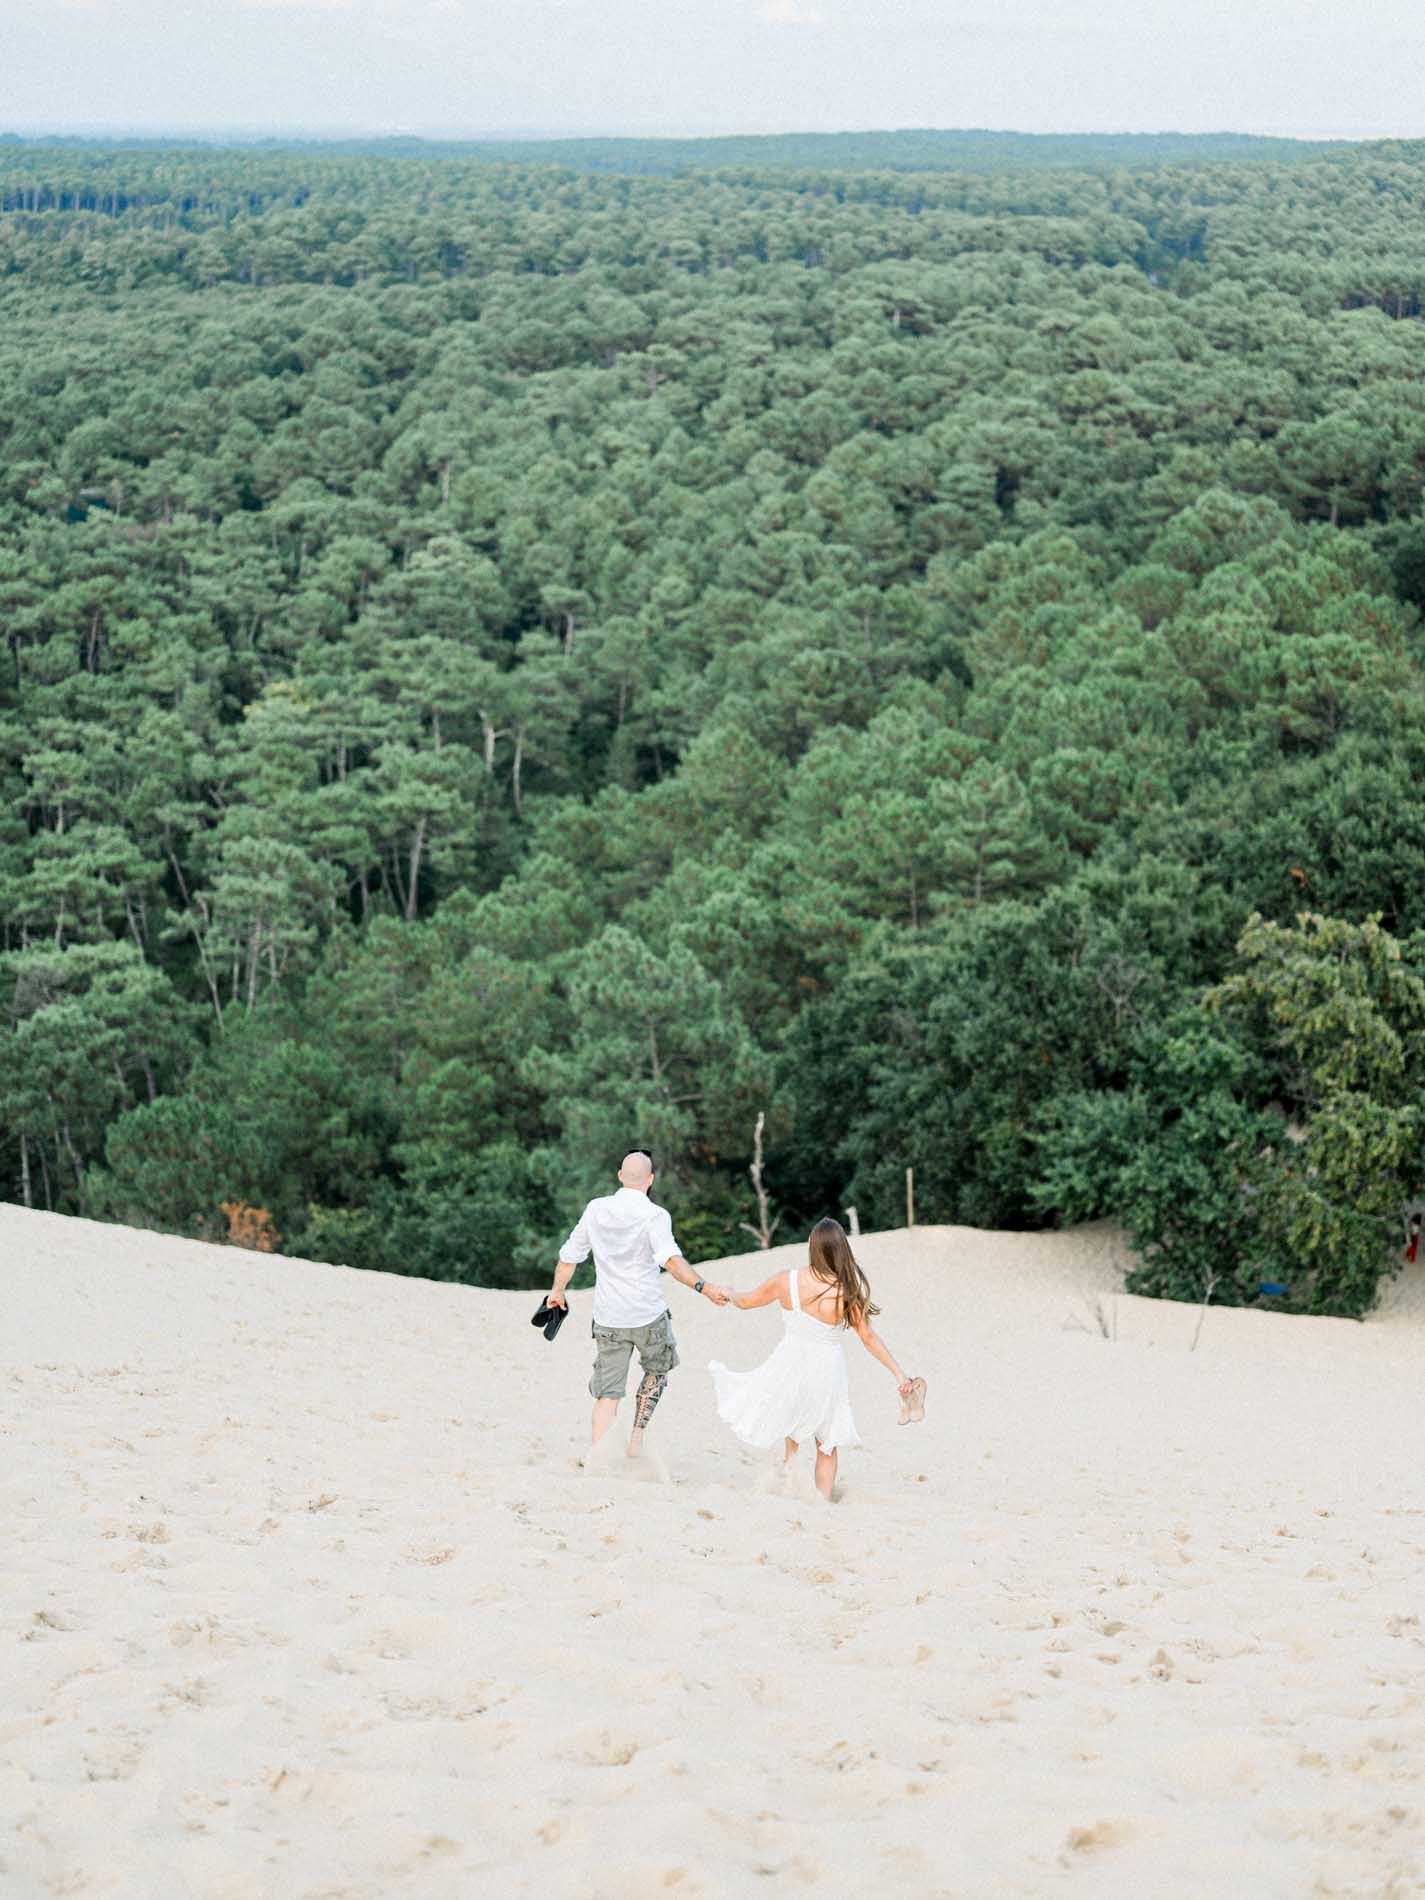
802 1391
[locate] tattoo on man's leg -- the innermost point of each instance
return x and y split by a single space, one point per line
650 1390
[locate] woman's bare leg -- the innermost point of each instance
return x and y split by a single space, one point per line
791 1451
825 1472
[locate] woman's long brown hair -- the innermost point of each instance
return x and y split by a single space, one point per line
832 1260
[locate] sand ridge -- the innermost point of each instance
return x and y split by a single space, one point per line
304 1597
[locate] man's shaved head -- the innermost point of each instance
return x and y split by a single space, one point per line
637 1169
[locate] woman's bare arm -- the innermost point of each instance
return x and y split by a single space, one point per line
878 1349
768 1294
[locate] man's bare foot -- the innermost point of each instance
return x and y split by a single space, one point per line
635 1444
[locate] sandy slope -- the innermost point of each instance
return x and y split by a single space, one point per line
301 1594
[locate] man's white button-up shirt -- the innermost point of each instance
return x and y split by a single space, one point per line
630 1238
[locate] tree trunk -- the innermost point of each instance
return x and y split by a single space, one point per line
417 847
25 1170
209 977
762 1233
178 873
74 1160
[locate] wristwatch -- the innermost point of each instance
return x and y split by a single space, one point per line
700 1285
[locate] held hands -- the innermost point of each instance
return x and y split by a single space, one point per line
719 1296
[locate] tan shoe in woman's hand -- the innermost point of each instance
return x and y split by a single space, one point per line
912 1402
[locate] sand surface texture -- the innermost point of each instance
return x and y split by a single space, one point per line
304 1596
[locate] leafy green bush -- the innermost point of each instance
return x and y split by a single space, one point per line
1275 1135
1338 1012
1174 1157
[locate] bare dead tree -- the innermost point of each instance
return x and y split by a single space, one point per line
1209 1287
762 1233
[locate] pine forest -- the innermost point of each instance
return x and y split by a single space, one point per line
866 654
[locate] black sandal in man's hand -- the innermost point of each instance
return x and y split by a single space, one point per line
551 1318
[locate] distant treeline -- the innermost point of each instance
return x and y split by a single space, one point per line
504 660
922 151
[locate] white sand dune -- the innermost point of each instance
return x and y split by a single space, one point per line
304 1597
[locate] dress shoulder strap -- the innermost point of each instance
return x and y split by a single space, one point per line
792 1278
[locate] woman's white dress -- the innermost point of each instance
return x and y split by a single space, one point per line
801 1392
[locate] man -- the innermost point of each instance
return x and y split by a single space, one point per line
630 1239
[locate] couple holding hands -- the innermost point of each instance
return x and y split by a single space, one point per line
799 1394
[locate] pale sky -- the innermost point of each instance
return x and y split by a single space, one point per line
1311 68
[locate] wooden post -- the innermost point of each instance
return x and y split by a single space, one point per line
910 1197
854 1218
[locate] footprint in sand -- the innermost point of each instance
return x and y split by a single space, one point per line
648 1468
649 1880
601 1748
1101 1836
398 1642
609 1459
44 1621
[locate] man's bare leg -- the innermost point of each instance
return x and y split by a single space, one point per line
825 1472
651 1388
605 1412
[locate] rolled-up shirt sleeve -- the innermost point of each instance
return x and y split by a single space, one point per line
578 1246
660 1238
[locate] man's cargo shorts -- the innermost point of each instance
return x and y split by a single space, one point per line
613 1348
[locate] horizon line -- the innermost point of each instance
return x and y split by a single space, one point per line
563 135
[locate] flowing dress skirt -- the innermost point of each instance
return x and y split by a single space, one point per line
801 1391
